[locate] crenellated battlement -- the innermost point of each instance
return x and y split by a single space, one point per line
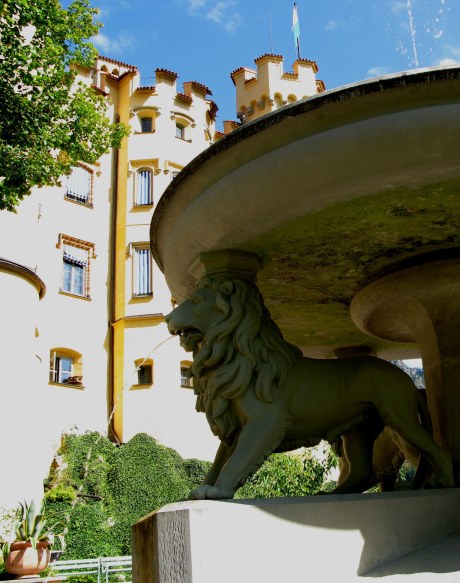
268 87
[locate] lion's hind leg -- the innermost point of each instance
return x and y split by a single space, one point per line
357 451
403 418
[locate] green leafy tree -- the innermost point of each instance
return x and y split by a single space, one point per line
49 122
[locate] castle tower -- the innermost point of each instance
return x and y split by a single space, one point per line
263 90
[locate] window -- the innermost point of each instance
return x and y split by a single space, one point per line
144 374
144 369
65 367
79 186
185 380
75 270
75 265
180 131
142 271
144 182
146 124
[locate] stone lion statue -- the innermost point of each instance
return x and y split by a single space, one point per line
260 395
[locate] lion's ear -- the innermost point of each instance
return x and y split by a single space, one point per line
226 288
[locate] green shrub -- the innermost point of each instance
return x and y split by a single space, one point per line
60 493
91 531
145 476
89 458
285 475
196 471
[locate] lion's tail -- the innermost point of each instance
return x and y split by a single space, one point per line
424 468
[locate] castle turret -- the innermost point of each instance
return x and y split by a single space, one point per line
263 90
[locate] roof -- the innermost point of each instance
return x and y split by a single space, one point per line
116 62
167 72
184 97
202 87
269 56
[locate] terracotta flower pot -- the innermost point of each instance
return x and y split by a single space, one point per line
23 560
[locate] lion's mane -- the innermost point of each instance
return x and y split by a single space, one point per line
244 351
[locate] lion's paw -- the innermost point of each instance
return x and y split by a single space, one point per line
199 493
207 492
218 493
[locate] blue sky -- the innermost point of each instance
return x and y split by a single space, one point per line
204 40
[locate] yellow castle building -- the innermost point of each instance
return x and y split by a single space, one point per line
84 343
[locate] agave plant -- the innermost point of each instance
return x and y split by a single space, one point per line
32 526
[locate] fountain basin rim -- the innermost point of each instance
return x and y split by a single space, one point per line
386 83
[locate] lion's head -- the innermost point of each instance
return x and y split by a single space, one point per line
236 345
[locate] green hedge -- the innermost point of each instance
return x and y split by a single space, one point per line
102 489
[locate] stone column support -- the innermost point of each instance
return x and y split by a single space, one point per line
421 303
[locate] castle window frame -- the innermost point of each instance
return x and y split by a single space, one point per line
66 368
76 266
143 119
143 187
79 186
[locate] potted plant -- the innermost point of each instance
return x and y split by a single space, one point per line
29 550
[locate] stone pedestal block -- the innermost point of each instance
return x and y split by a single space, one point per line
289 540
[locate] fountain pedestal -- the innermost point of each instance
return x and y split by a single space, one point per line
421 303
322 538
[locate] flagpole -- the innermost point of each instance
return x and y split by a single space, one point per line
270 32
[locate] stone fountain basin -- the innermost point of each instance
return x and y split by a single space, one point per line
329 191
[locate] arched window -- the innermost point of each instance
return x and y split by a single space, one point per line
144 187
79 186
66 367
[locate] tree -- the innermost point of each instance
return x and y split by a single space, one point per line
49 122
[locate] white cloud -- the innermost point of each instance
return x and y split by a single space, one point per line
451 56
397 7
378 71
196 4
221 12
334 23
112 46
331 25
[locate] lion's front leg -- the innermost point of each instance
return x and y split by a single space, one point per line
222 455
259 437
